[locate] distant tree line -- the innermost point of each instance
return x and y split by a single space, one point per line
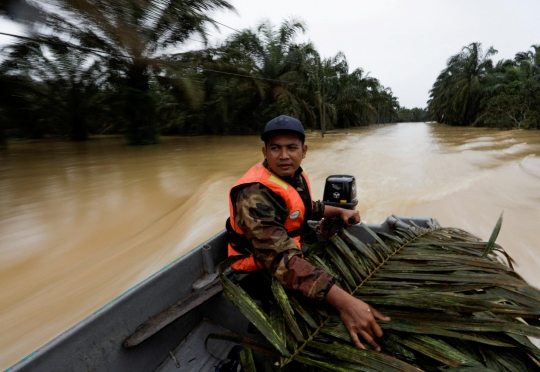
106 67
414 115
473 91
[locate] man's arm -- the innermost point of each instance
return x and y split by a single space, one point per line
257 213
358 317
261 215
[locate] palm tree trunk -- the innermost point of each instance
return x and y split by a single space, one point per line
139 108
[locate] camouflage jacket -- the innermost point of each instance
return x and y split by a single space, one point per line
260 214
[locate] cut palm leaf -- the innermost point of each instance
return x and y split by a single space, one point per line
454 306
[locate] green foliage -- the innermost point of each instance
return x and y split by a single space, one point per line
115 75
51 91
280 76
454 304
246 357
413 115
471 91
456 94
123 38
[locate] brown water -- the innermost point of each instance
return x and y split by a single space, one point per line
80 223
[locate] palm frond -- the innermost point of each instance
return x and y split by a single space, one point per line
455 305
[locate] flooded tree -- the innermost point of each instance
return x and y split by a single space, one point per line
112 69
127 39
56 91
474 91
263 72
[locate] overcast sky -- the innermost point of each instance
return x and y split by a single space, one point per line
403 43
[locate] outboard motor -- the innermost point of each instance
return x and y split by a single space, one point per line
340 191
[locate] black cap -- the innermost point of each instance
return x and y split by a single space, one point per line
283 122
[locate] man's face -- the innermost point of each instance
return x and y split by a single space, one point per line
284 153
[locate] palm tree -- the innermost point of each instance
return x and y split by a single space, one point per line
52 90
127 37
288 78
280 65
348 95
269 74
513 93
387 105
455 303
456 95
532 58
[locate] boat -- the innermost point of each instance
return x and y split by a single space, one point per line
162 324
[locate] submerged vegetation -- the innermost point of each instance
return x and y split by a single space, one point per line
109 67
474 91
455 303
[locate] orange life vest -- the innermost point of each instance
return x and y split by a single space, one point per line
295 206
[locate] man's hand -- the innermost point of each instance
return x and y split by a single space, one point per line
357 316
343 214
347 214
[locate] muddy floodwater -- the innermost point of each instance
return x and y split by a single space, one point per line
80 223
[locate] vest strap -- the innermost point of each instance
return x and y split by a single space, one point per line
240 243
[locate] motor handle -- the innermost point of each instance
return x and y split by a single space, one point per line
351 220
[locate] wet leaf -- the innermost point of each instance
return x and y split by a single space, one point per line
450 306
246 357
493 236
283 301
249 308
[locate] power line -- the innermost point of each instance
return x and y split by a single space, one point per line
219 23
62 43
246 76
85 49
96 51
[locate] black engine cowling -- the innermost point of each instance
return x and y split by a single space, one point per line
340 191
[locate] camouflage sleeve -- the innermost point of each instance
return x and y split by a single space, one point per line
317 211
261 215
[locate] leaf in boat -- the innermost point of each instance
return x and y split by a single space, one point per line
379 240
283 301
278 322
454 305
354 267
302 312
255 315
360 247
338 331
246 357
493 236
325 365
423 329
343 269
371 359
438 350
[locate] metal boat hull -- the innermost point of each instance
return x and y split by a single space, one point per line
95 344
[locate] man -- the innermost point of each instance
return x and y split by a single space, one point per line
269 209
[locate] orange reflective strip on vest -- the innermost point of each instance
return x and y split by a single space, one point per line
259 174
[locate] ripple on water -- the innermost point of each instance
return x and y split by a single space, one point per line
531 165
490 144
